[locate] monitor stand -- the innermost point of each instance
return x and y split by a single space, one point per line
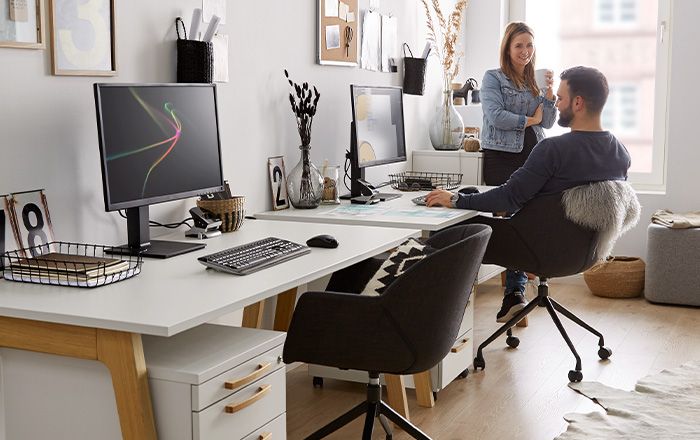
139 242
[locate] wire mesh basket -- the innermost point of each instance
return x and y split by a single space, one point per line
61 263
424 181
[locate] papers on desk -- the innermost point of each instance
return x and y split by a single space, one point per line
374 210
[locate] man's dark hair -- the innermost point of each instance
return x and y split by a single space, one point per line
589 83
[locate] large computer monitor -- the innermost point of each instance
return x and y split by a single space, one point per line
377 134
158 142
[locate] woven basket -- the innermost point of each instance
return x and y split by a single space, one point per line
617 277
230 211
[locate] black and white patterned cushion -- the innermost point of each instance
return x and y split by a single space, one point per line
407 254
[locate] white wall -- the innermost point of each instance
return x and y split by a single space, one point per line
48 134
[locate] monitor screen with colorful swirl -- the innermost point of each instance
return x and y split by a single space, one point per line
158 142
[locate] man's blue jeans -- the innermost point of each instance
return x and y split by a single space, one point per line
515 280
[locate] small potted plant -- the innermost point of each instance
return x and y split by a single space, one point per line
304 183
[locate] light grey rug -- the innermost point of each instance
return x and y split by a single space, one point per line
662 406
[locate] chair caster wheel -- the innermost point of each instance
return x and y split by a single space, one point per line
318 382
464 374
479 362
575 376
513 341
604 353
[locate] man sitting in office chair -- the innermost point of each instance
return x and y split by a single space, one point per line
586 154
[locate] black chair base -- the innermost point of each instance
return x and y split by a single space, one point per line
543 300
372 408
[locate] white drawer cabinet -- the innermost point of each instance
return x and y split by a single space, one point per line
217 382
460 161
460 358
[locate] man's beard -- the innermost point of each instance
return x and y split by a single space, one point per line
566 116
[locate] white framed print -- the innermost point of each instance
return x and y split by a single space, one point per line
29 217
278 182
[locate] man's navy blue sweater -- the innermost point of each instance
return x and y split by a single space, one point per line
556 164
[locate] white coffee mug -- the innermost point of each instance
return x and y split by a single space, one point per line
540 78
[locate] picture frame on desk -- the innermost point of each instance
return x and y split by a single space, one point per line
29 219
83 38
22 24
278 182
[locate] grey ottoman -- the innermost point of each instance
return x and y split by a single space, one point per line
673 263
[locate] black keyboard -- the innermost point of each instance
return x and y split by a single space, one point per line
253 256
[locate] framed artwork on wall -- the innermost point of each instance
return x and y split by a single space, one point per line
22 24
278 182
83 37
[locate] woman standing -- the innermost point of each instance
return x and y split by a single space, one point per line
515 114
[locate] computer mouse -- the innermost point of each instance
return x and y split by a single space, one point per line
322 241
469 190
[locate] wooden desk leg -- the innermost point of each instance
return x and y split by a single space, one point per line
396 394
123 354
285 309
252 315
424 389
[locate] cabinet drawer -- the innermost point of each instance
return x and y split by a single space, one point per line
471 170
275 430
436 161
457 360
244 411
236 378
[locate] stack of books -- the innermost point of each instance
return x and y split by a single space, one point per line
66 267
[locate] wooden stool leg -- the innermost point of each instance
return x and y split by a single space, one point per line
396 394
252 315
122 353
424 389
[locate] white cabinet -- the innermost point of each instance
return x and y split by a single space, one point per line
459 161
217 382
459 359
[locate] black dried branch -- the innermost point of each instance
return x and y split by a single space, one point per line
304 106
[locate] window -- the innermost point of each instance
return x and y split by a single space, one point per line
628 41
616 12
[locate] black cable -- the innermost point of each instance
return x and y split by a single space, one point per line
346 168
154 224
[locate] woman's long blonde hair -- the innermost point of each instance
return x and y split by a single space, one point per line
527 80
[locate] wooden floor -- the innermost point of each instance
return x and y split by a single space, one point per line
523 393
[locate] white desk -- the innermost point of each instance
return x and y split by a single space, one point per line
168 297
397 213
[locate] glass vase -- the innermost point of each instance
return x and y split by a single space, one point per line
304 182
447 127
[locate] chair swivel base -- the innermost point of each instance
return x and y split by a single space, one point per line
372 408
543 300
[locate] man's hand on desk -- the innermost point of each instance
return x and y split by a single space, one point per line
440 197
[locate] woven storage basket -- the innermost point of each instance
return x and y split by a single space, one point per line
230 211
617 277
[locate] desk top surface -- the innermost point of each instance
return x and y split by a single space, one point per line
396 213
173 295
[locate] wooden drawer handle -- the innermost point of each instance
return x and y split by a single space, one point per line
250 400
265 436
462 344
233 384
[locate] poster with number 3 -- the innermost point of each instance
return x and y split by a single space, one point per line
28 214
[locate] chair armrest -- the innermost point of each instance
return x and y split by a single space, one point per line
345 331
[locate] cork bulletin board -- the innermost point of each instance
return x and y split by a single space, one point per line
338 32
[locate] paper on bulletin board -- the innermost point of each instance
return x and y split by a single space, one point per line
331 8
214 7
371 41
390 47
220 43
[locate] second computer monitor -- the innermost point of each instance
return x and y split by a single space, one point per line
377 133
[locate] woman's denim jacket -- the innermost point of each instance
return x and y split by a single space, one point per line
506 109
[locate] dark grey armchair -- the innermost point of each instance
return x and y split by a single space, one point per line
543 239
408 329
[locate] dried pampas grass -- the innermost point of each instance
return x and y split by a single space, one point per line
444 40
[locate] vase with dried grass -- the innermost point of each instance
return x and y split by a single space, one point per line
446 128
